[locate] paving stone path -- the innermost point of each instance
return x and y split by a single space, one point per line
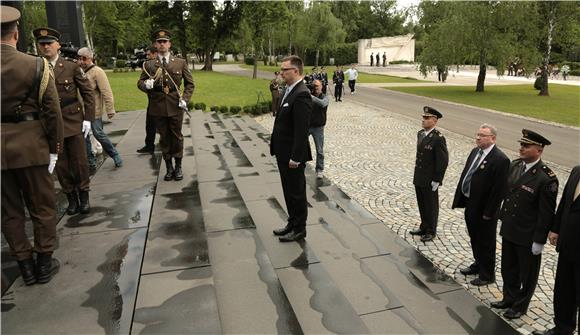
370 155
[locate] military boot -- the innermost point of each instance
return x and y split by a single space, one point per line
27 270
73 203
169 168
178 174
46 267
85 207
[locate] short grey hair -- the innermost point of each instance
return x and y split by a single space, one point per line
491 128
84 51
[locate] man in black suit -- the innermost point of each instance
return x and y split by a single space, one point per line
480 191
430 165
338 80
289 143
565 235
526 215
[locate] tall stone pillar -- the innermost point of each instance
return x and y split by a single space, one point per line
67 18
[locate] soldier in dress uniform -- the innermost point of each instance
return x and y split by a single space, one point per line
430 165
338 80
161 79
71 81
527 213
275 90
32 135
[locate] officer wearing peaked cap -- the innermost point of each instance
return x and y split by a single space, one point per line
32 135
430 166
161 79
527 212
72 167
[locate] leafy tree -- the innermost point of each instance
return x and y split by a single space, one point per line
33 16
320 29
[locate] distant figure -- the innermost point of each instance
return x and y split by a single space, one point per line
338 80
565 71
275 90
384 59
352 76
377 56
372 59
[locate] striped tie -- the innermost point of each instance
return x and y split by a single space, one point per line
466 186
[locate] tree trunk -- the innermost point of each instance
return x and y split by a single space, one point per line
255 71
544 90
317 56
482 71
208 64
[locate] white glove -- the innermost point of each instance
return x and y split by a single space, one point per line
537 248
149 83
182 104
434 185
52 164
86 128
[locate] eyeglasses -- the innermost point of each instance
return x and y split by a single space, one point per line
287 68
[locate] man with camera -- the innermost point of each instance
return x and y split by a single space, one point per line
72 166
317 123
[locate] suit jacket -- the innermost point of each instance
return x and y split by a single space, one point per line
27 143
431 160
488 183
290 134
528 208
338 77
567 221
71 81
161 103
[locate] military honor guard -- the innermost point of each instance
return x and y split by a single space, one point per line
32 135
338 80
72 167
430 166
526 215
480 191
161 79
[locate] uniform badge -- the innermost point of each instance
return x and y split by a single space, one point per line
43 32
528 189
161 34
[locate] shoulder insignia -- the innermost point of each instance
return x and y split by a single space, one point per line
548 171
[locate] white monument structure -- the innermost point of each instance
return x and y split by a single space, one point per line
397 48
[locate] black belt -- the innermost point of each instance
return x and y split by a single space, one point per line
160 89
15 118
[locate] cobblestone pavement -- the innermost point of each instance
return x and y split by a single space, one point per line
370 154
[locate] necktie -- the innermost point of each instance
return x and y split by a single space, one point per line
466 186
164 62
286 91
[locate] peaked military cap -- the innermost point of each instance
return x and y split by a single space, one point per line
161 34
46 35
9 14
531 137
430 111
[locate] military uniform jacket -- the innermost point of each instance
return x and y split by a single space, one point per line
164 97
71 81
338 77
528 208
27 143
567 221
431 160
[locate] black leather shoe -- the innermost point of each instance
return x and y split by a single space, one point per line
552 331
427 237
501 304
27 271
417 232
85 206
282 231
470 270
146 150
481 282
293 236
73 203
511 314
177 173
170 171
46 268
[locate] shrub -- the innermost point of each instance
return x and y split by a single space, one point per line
400 62
248 109
200 106
235 109
249 60
120 63
574 73
538 83
191 105
224 109
214 108
345 54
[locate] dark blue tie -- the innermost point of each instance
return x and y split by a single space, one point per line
466 186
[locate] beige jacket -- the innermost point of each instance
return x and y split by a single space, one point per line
104 102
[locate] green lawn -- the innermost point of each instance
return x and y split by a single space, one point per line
362 76
212 88
562 106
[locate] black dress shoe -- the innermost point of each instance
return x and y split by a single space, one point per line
46 268
27 271
552 331
502 304
146 150
480 282
469 271
427 237
417 232
282 231
511 314
293 236
169 170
